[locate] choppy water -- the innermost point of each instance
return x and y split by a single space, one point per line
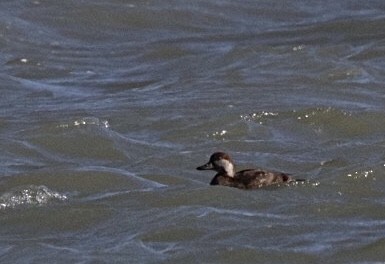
107 107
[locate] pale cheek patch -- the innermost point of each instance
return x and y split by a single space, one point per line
227 166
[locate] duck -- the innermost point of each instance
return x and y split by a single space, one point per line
245 179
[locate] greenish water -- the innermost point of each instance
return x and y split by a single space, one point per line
108 107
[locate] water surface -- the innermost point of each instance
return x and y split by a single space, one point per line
108 107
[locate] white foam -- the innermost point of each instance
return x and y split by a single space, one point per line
29 195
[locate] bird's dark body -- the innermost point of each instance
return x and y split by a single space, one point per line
244 179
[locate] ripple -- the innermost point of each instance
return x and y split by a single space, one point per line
203 212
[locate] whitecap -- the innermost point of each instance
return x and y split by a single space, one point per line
30 195
85 121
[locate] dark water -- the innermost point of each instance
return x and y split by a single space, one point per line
107 108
